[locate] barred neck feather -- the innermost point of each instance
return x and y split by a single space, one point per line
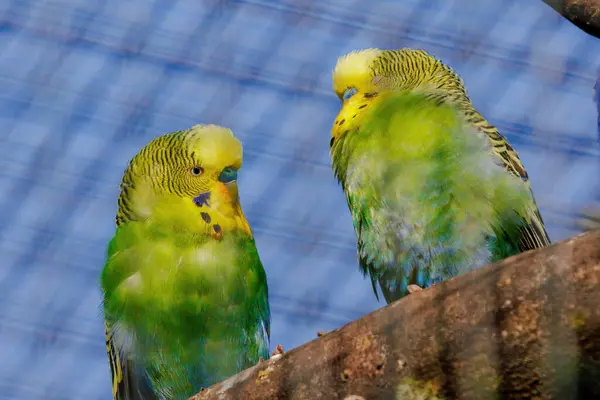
396 69
414 69
145 166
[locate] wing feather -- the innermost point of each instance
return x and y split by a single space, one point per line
533 234
128 381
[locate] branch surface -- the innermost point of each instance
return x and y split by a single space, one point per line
527 327
585 14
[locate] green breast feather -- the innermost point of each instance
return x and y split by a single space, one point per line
427 198
185 293
189 311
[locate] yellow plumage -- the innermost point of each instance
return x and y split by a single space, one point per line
355 69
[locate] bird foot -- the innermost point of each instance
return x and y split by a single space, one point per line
413 288
322 333
277 352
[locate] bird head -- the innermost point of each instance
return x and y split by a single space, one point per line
364 78
191 174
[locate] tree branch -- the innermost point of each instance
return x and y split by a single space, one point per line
585 14
525 327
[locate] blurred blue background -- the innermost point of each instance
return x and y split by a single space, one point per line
84 84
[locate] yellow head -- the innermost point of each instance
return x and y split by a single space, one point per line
363 77
191 174
355 70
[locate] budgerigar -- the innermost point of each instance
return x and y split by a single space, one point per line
185 293
434 189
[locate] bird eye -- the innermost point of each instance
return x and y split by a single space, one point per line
349 93
196 171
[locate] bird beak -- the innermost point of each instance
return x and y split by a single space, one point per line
242 221
230 205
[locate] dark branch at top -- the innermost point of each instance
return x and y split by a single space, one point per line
585 14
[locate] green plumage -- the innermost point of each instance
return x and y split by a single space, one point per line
185 293
427 199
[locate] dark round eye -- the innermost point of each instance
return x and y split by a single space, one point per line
197 171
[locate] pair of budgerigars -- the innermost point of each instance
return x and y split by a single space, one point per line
432 187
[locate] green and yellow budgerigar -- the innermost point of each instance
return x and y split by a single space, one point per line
434 189
185 293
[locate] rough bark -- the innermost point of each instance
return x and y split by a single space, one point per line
585 14
527 327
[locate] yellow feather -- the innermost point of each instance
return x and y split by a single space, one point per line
215 145
355 70
353 112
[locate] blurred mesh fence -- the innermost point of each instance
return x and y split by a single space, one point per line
86 83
